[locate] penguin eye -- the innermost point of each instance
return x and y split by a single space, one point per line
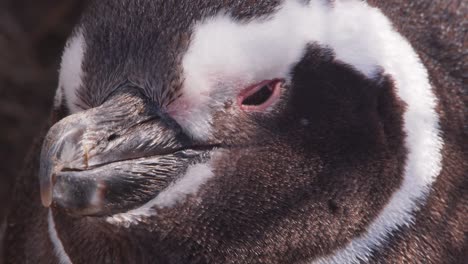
260 96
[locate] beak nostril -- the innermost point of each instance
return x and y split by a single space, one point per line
85 157
112 137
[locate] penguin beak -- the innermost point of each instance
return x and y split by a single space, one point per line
114 157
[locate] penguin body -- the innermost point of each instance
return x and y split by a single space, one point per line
247 132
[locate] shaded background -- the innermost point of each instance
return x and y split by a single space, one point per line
32 36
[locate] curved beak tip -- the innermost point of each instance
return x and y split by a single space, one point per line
46 182
46 191
46 197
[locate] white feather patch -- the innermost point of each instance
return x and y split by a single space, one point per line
59 250
189 184
71 74
58 99
225 55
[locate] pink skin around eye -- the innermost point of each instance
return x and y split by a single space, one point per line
274 86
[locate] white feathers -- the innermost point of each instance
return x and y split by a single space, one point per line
226 55
389 50
59 250
71 74
189 184
58 99
195 177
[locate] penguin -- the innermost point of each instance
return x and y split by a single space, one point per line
250 132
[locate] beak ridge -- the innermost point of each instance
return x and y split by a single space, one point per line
86 170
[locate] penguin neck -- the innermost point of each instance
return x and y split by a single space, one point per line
71 236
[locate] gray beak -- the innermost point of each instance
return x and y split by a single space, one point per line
114 157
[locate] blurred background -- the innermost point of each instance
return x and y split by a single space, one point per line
32 36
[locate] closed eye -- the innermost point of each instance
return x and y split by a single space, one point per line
260 96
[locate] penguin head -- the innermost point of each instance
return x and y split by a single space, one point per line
271 126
